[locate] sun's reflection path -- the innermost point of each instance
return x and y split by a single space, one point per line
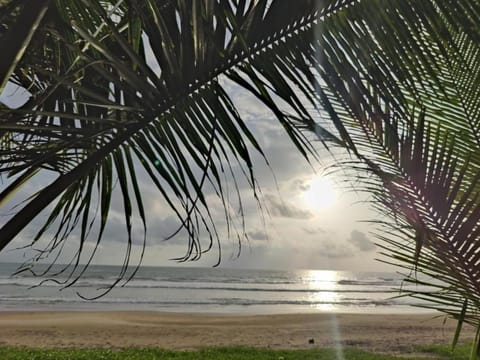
325 282
324 286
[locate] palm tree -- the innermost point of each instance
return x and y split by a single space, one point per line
398 79
100 107
415 122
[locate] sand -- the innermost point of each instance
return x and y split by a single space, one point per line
383 333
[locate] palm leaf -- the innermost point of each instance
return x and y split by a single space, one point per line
170 113
16 40
411 106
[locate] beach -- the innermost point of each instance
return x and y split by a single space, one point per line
193 308
122 329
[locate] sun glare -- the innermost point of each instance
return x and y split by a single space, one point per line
325 283
321 194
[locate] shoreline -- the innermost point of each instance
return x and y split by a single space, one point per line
388 333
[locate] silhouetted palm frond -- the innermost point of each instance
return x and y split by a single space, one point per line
412 109
124 85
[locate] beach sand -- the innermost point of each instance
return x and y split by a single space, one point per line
382 333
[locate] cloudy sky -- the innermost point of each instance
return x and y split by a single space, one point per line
309 220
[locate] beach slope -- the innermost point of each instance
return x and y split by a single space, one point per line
383 333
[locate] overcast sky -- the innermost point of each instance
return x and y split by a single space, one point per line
309 220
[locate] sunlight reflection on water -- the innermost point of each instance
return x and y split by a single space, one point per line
325 282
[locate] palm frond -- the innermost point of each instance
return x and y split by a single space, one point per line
411 106
20 32
105 109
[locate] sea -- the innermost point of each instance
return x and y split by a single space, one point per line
211 291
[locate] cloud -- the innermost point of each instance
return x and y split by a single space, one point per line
158 229
281 208
318 245
300 185
334 249
314 230
361 241
161 228
259 235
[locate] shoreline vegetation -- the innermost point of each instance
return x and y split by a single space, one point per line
129 331
231 353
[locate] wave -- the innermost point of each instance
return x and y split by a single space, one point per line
380 282
247 289
104 284
106 280
181 303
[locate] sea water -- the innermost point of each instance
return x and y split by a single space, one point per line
211 290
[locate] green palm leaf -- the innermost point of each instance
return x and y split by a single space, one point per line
107 107
411 107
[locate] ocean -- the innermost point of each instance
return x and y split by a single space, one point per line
212 290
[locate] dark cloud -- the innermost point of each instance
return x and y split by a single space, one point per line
158 229
334 249
259 235
161 228
300 185
361 241
314 230
281 208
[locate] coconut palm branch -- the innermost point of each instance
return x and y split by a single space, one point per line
412 108
100 109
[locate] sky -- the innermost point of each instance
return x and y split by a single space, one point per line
310 219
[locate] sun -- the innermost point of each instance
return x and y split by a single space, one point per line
320 194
